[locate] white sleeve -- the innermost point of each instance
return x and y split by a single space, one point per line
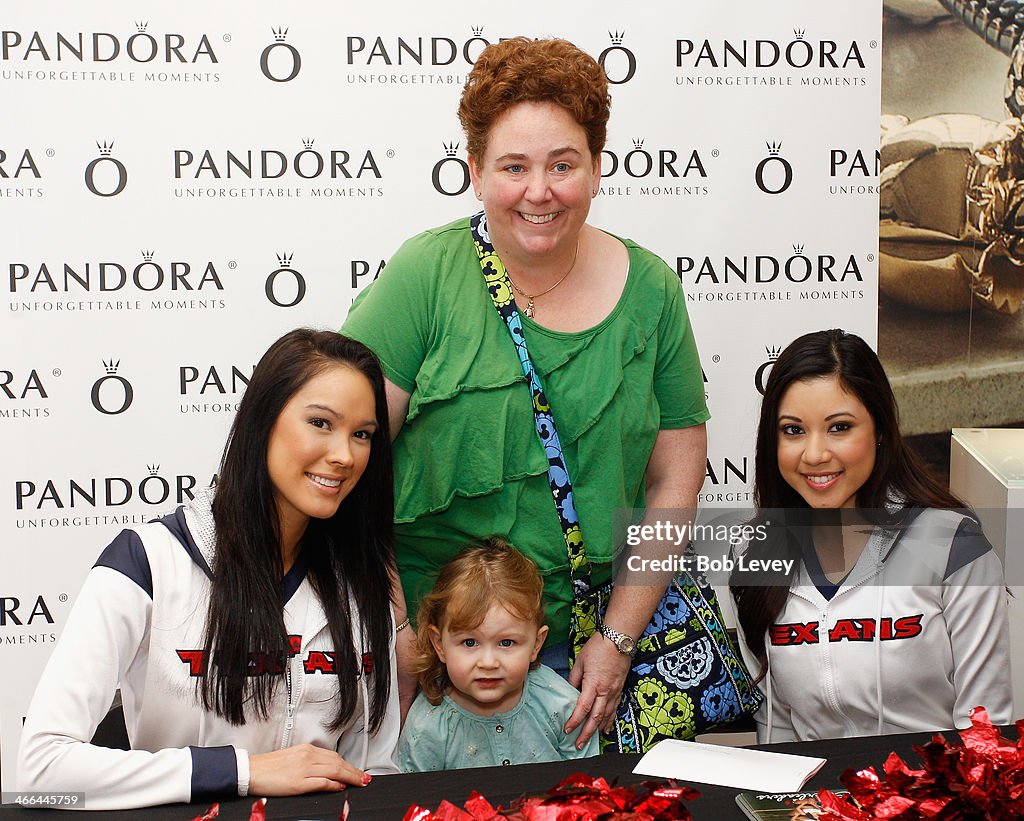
975 610
104 632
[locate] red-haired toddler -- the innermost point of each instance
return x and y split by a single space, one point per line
485 699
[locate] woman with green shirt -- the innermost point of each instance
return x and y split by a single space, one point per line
607 330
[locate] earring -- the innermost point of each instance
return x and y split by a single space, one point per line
479 196
594 192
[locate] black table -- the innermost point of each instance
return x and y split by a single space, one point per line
388 797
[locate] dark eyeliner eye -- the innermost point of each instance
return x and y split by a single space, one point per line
318 422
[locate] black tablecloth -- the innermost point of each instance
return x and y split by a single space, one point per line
388 797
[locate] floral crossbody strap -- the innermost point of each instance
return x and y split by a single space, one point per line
583 620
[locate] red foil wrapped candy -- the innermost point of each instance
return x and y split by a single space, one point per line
578 798
981 779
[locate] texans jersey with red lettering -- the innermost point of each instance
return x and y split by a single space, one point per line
911 640
138 625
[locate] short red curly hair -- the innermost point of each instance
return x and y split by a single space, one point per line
521 70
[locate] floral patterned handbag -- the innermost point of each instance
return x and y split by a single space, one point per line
686 676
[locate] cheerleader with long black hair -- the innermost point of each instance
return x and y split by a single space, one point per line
893 618
250 632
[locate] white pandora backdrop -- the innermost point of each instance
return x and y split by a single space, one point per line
180 184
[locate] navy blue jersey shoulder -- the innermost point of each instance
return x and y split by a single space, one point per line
969 544
127 555
966 544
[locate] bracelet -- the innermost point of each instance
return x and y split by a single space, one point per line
401 627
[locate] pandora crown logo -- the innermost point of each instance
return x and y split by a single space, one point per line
618 62
450 174
774 174
106 176
280 62
112 394
285 273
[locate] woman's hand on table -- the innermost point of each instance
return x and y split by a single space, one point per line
301 769
599 673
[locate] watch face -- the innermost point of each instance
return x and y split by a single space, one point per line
627 645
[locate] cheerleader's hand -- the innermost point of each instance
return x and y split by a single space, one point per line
302 769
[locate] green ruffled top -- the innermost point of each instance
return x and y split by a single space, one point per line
468 463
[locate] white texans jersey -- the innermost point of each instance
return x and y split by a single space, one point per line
913 639
139 625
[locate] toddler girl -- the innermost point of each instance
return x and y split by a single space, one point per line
485 699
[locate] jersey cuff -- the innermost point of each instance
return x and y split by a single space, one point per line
214 772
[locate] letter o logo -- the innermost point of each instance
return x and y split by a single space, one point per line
127 394
787 174
300 288
149 40
435 176
158 275
296 62
645 159
163 490
90 176
630 64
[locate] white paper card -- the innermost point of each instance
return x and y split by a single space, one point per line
728 766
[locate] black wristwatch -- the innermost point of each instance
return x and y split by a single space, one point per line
623 643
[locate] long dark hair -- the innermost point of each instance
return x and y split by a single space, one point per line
353 553
898 476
